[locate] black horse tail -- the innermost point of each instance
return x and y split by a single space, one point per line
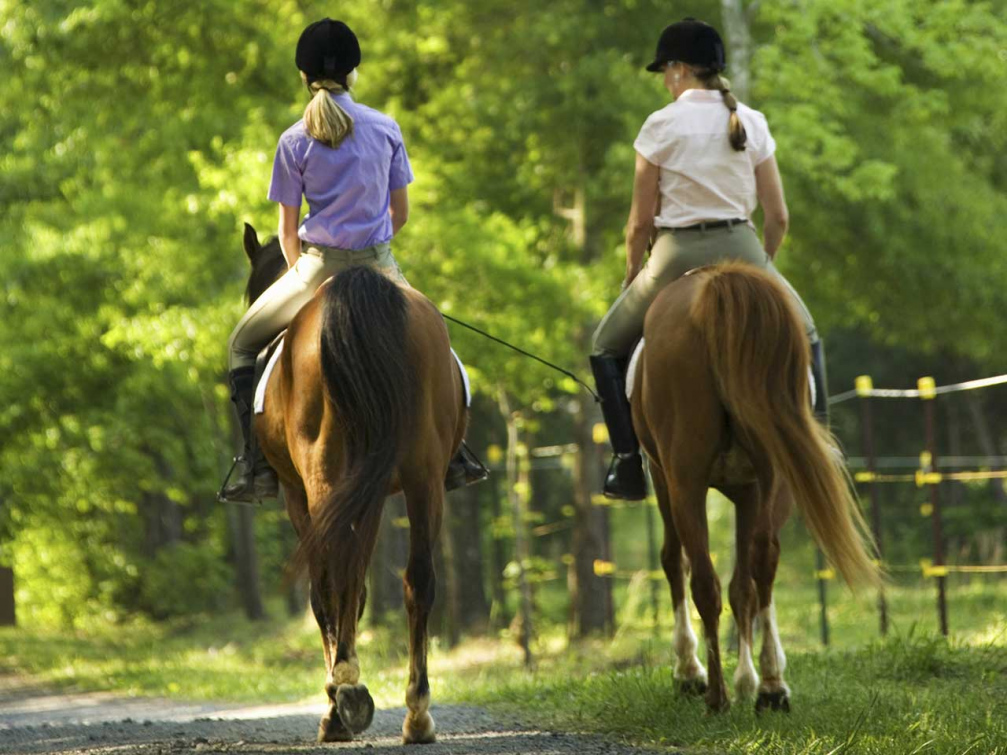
370 386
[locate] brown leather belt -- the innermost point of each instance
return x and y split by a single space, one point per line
711 224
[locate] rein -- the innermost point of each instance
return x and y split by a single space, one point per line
569 374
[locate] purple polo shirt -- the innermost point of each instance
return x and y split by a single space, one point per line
348 189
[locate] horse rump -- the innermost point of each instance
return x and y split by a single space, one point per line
370 389
759 356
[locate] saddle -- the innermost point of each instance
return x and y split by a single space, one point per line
266 361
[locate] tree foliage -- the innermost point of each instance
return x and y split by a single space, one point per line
138 137
890 123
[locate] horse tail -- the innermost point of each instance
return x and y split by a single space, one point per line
369 383
759 355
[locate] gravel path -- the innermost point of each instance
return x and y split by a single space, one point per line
36 721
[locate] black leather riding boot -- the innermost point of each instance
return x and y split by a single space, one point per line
252 481
625 478
465 469
821 407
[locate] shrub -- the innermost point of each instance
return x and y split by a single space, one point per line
185 579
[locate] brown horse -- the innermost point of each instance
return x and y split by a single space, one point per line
721 399
366 401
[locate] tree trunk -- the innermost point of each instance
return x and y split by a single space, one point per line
297 597
162 517
295 587
953 411
606 541
986 440
521 551
8 616
590 594
162 521
499 613
389 559
242 520
246 560
452 597
466 528
739 42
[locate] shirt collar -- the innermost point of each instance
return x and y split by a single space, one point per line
342 96
699 95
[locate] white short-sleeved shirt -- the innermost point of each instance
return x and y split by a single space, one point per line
702 176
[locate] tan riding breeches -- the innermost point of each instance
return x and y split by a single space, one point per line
675 253
276 307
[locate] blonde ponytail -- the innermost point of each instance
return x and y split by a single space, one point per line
324 120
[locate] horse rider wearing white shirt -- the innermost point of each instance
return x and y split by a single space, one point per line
703 164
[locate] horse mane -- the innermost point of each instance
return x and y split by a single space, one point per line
269 265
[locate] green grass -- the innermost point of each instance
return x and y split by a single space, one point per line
903 695
214 658
912 693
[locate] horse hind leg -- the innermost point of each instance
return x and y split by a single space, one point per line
424 503
350 705
688 496
330 728
773 693
690 676
352 701
742 591
336 597
348 698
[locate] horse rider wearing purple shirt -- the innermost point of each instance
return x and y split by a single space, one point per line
350 163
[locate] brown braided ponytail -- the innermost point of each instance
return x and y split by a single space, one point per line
735 129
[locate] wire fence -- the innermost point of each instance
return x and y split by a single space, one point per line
925 471
871 472
929 474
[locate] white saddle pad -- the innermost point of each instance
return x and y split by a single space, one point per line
466 386
259 401
631 370
635 360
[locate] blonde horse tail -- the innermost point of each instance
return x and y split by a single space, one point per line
759 356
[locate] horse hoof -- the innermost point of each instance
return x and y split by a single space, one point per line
778 701
331 729
692 687
355 707
720 704
418 729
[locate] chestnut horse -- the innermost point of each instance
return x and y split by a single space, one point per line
721 399
365 401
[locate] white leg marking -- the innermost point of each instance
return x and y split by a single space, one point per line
746 681
687 665
772 660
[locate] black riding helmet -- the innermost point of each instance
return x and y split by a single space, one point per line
327 49
690 41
